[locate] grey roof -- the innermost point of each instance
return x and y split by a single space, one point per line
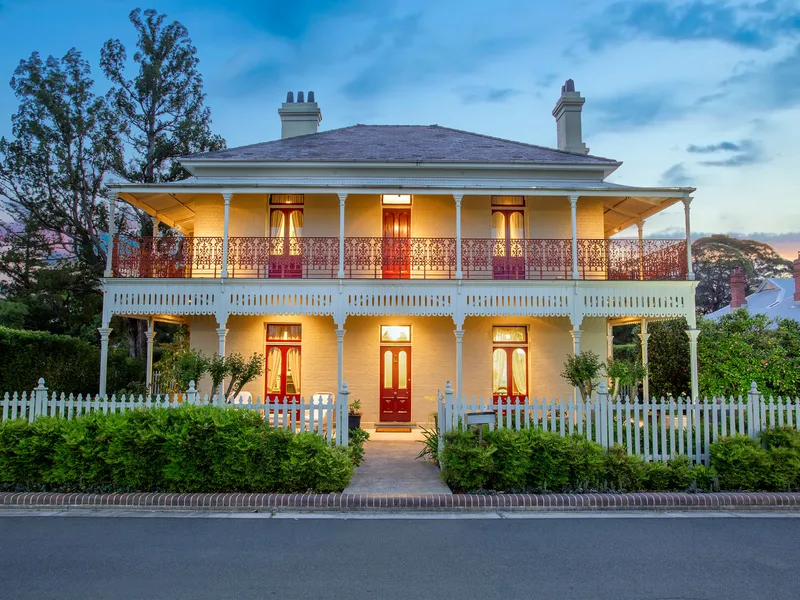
400 143
774 298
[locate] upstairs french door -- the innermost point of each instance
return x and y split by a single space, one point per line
283 373
285 247
396 245
508 231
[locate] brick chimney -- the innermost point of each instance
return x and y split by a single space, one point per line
796 265
568 119
301 117
738 288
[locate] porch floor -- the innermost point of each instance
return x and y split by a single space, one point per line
391 467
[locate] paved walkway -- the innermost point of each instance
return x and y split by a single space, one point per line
392 468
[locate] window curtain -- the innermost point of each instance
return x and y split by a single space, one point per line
276 231
499 371
516 226
274 365
508 334
293 367
519 368
295 231
499 233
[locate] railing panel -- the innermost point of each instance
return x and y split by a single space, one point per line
400 258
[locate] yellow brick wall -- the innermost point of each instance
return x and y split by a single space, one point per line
433 354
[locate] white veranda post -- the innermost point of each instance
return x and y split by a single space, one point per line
342 199
576 333
609 341
340 331
644 336
573 206
225 228
693 335
459 359
112 203
640 227
222 333
687 200
458 198
151 335
105 332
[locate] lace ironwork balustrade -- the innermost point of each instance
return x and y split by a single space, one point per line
167 257
400 258
489 258
277 258
632 259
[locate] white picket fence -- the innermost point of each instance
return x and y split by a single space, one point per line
655 429
321 413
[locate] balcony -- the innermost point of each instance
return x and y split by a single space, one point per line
407 258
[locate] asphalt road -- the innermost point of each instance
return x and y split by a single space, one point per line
197 559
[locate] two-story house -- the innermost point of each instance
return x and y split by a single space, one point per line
397 258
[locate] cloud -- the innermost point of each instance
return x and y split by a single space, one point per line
746 152
775 85
410 52
633 109
476 94
786 244
676 176
749 26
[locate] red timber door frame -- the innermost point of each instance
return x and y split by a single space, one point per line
285 246
396 242
509 255
395 384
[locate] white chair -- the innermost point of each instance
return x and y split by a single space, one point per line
318 399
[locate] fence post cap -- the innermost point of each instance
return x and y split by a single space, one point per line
753 387
41 383
344 389
448 389
191 386
602 388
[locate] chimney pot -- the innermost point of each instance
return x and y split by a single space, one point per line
300 98
311 97
738 289
289 97
568 119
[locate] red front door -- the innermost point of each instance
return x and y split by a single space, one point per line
285 244
395 390
509 243
509 375
283 374
396 247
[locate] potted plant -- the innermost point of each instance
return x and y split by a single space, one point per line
354 415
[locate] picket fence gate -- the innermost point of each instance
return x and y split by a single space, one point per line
655 429
321 413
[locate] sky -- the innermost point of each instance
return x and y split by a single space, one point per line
698 93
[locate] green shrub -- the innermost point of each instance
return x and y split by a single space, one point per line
681 474
624 472
586 462
186 449
512 459
704 479
656 477
781 437
784 469
355 445
740 462
466 465
549 468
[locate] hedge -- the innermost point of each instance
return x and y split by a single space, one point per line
68 364
532 460
185 449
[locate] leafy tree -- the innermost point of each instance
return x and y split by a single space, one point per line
741 347
624 373
668 358
715 258
12 314
162 105
65 139
24 250
583 371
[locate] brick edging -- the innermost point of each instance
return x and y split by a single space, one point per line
457 502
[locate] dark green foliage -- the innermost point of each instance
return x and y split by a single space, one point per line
705 479
784 469
656 477
512 459
467 465
681 472
741 463
430 444
781 437
624 472
186 449
355 445
67 364
668 354
585 460
548 468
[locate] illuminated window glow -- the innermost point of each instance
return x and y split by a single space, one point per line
395 333
397 198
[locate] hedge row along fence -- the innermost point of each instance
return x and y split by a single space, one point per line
184 449
532 460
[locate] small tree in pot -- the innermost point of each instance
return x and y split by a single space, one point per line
354 414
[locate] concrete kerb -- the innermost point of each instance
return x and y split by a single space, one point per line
234 502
